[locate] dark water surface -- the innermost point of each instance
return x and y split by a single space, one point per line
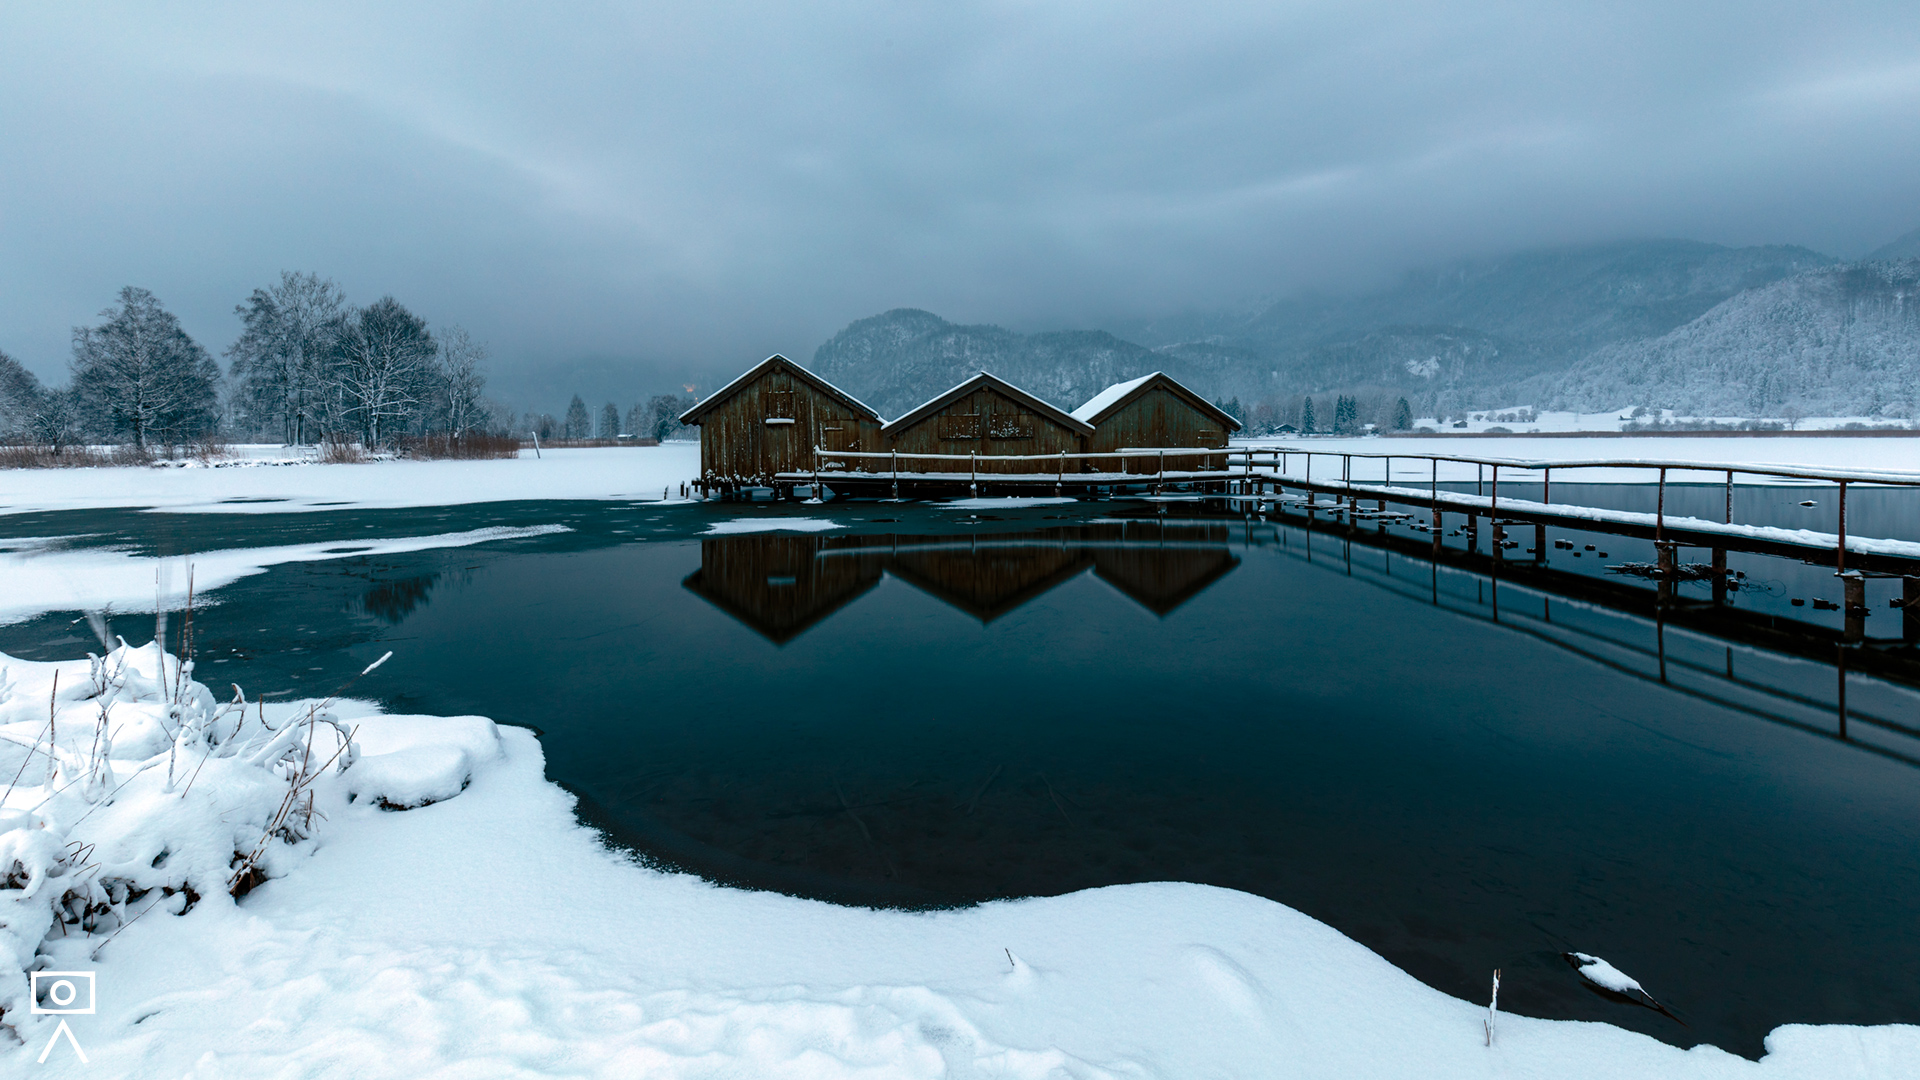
926 707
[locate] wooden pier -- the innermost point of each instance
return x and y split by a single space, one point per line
1259 478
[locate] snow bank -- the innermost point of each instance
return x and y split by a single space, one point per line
41 576
616 472
488 934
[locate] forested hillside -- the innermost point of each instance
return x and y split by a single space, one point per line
1839 341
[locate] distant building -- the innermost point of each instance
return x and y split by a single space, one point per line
769 421
985 415
1155 411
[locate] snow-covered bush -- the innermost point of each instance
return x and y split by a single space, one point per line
130 788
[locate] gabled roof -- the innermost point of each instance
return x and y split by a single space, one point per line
992 382
1119 395
776 362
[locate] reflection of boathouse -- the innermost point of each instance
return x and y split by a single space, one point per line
782 585
778 584
778 424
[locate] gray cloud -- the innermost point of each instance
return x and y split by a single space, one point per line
692 186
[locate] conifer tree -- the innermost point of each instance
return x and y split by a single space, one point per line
578 424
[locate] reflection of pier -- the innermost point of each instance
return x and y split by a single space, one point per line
781 585
1741 660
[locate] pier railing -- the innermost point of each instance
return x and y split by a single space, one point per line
1278 458
1061 467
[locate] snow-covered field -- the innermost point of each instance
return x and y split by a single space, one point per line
1615 420
487 934
293 484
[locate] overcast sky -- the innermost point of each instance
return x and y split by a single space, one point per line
693 186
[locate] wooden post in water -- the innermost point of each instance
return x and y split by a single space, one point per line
1840 549
973 472
894 463
1853 602
1439 520
1729 518
1539 542
1660 510
1664 568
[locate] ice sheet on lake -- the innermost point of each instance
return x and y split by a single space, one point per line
770 524
43 577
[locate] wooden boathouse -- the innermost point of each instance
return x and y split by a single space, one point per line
771 420
986 415
1155 410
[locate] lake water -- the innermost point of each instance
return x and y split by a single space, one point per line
935 706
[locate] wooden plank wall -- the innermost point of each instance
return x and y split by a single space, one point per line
739 447
1158 418
984 422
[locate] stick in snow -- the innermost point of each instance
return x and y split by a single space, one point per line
1493 1006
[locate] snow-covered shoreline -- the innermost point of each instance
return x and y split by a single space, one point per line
647 473
488 933
650 474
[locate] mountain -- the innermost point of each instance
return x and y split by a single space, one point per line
1680 324
1907 247
1520 316
1837 341
896 360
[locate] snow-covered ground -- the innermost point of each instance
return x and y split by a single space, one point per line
1887 453
1524 421
248 483
649 473
487 934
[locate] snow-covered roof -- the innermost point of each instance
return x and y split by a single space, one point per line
1099 402
1037 404
753 372
1104 402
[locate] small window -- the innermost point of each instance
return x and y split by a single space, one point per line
1209 437
960 426
780 404
1010 426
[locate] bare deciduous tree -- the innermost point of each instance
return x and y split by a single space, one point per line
20 396
385 361
138 374
461 381
280 363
